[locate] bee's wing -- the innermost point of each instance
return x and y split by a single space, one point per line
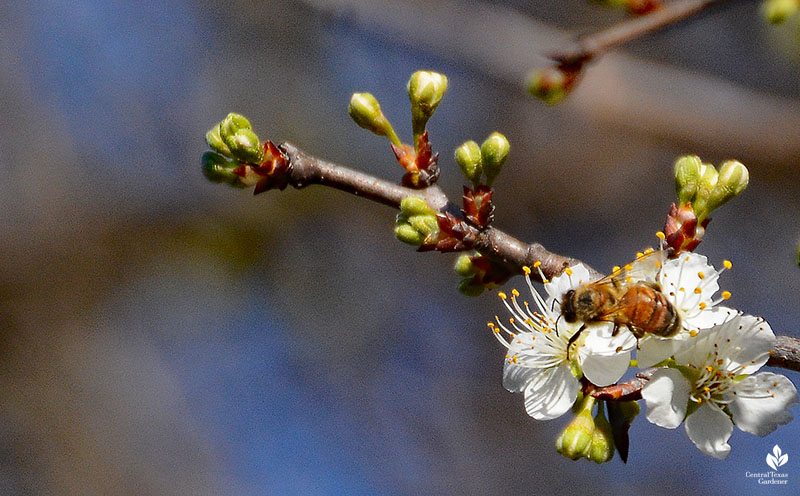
644 268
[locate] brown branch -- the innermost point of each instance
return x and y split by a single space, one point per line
305 170
598 43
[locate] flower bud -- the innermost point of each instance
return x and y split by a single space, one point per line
575 440
245 146
219 169
231 124
414 205
407 234
366 112
548 85
732 179
602 447
494 152
464 266
425 90
468 287
214 140
687 177
705 185
468 157
777 11
425 224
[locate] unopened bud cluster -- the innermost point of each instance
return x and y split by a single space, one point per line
415 222
485 161
587 436
778 11
705 187
234 144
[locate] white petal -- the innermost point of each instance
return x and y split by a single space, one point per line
753 339
551 393
604 370
600 341
666 396
705 319
709 428
761 403
653 349
516 377
563 283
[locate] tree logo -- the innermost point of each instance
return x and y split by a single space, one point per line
776 458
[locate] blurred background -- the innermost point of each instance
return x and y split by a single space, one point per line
168 336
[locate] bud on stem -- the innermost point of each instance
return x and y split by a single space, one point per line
425 90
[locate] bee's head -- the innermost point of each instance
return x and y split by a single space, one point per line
568 306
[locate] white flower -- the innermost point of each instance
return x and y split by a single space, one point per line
715 387
539 360
689 283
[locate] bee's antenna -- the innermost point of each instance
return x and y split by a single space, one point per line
574 338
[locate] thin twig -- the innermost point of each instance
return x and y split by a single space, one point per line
598 43
305 170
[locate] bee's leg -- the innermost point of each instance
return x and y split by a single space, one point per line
574 338
616 329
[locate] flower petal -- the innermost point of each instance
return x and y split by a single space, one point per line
516 377
551 392
709 428
653 349
604 370
564 282
761 403
666 396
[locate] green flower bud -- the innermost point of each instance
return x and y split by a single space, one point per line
245 146
219 169
214 140
414 205
366 112
408 235
548 85
464 266
425 224
687 177
468 157
602 447
231 124
575 440
705 185
494 152
777 11
425 90
468 288
732 179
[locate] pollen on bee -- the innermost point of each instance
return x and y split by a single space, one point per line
727 264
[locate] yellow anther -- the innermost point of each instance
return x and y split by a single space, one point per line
537 264
693 333
639 254
648 251
703 305
727 264
726 295
708 368
697 290
628 267
490 324
514 359
545 281
568 271
515 292
616 268
658 265
682 290
512 320
502 295
701 275
707 389
660 235
526 270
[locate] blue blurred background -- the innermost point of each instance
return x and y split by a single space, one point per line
165 335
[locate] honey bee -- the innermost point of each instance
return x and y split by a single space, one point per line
626 298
